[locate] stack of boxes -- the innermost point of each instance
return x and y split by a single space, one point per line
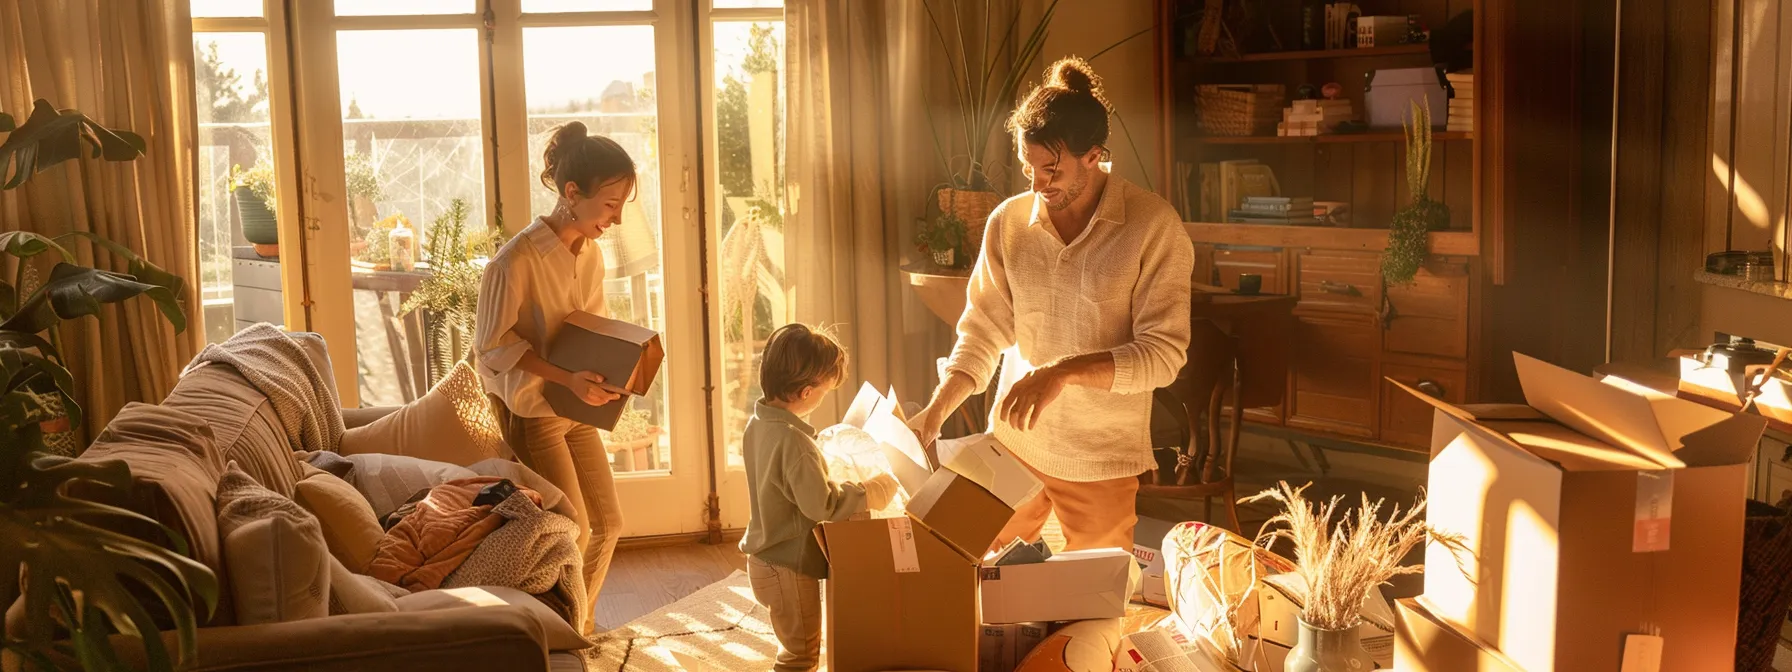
1462 101
1600 528
1314 117
919 591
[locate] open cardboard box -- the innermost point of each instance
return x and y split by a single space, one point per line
1717 386
1147 546
1595 510
1425 643
628 356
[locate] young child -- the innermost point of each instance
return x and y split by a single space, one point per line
788 486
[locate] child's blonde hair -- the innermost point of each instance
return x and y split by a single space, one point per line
797 356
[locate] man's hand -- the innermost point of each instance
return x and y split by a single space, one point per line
591 389
1031 394
926 426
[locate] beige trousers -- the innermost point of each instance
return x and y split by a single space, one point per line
794 601
1096 514
572 457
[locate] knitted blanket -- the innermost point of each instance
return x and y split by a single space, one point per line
536 552
277 364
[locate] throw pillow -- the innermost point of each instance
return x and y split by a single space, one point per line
350 529
329 461
274 553
453 423
352 593
560 635
388 481
552 499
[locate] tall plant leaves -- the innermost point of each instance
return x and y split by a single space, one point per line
142 270
74 291
51 136
6 122
25 244
62 547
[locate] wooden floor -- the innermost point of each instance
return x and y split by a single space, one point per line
644 579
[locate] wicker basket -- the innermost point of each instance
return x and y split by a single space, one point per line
1766 585
973 208
1239 109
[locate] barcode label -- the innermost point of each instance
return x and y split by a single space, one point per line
902 546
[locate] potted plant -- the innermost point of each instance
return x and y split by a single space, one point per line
634 436
941 238
72 569
1340 568
255 205
449 296
1408 244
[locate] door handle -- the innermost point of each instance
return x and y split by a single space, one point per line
1431 388
1330 287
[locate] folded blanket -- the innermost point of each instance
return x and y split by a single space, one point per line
536 552
279 367
432 541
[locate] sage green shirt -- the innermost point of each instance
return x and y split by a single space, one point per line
789 492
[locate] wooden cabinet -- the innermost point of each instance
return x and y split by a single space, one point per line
1405 419
1339 282
1333 374
1270 263
1429 316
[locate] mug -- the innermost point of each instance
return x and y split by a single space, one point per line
1249 283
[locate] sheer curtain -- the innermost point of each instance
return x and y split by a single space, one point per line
127 64
859 173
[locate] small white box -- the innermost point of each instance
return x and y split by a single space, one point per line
1070 586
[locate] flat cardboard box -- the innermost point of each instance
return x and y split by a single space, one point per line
1069 586
1592 511
1425 643
986 462
1147 544
628 356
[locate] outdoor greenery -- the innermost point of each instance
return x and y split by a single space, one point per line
220 89
76 574
449 296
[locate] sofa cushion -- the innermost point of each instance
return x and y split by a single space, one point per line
388 481
560 635
352 593
350 529
275 559
453 423
243 421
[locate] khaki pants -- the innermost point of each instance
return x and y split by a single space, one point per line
1096 514
795 604
571 456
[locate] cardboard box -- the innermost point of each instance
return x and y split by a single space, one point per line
1390 94
1147 545
1424 643
1588 513
986 462
1173 649
628 356
1717 386
1070 586
1002 647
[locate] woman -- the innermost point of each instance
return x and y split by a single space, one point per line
551 269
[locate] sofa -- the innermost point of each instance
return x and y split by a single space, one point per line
177 451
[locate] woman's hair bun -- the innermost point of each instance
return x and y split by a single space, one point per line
1074 73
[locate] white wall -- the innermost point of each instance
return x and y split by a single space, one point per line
1128 72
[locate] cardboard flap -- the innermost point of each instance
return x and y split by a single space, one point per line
1569 449
1513 412
988 463
963 514
899 444
1732 440
862 405
1605 412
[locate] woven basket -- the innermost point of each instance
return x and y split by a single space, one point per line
1239 109
1766 585
973 208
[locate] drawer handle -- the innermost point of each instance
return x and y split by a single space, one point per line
1431 388
1330 287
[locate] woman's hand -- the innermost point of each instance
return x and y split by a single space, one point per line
1031 394
926 426
591 389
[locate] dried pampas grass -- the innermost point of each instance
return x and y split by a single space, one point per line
1342 567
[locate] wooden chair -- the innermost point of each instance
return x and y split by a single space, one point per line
1204 466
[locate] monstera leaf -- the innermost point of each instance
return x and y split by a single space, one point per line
51 136
74 291
30 373
75 572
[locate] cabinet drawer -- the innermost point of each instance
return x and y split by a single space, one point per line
1429 316
1405 419
1272 264
1333 374
1341 282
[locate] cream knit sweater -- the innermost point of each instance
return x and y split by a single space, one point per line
1121 287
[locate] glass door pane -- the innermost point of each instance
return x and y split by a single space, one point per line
403 7
612 93
239 255
755 295
414 154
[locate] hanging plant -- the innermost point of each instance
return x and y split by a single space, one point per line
1407 244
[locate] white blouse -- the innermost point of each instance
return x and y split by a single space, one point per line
530 286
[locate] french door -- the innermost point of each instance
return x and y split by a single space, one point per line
417 115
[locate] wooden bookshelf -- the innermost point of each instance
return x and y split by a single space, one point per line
1448 243
1333 138
1366 52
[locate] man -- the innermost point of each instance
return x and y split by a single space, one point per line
1089 276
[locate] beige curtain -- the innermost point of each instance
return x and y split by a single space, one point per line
859 169
127 64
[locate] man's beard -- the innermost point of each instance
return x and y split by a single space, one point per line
1072 192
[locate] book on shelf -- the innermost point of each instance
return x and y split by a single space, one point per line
1460 127
1249 217
1464 76
1464 104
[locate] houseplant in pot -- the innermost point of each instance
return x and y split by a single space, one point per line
1408 243
449 296
254 192
81 581
942 238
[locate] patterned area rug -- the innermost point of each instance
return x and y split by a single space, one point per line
714 629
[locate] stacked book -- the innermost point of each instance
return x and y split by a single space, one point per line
1314 117
1285 210
1462 101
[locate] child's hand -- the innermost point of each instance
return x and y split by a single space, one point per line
879 490
591 389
